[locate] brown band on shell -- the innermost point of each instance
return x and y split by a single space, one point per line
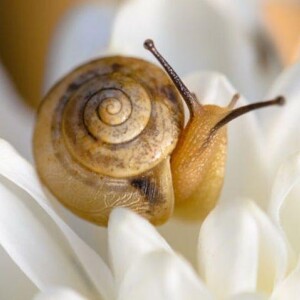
147 187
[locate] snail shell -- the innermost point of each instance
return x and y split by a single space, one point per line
104 136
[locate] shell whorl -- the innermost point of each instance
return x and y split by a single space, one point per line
110 113
100 128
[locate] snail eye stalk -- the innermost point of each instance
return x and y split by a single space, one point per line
188 97
234 101
235 113
191 100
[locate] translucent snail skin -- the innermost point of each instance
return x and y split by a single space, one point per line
111 133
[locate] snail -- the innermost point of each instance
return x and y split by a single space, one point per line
111 133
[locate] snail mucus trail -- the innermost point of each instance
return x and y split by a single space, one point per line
111 133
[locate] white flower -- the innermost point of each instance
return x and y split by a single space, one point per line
246 249
240 249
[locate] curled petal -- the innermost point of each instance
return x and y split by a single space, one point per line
289 288
287 177
284 203
130 236
282 126
36 238
162 275
240 250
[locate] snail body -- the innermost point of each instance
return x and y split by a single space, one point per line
111 134
200 156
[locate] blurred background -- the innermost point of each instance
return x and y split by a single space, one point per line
26 29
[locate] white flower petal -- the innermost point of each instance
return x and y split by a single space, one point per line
82 34
10 277
245 174
34 243
287 177
245 143
130 237
283 141
210 87
182 236
282 126
289 289
248 296
240 250
59 294
197 50
161 275
16 118
61 238
284 203
246 13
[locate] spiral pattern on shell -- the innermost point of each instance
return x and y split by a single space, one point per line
114 125
101 127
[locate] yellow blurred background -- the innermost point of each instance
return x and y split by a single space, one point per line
26 28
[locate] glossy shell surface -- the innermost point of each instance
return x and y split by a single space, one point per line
103 138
